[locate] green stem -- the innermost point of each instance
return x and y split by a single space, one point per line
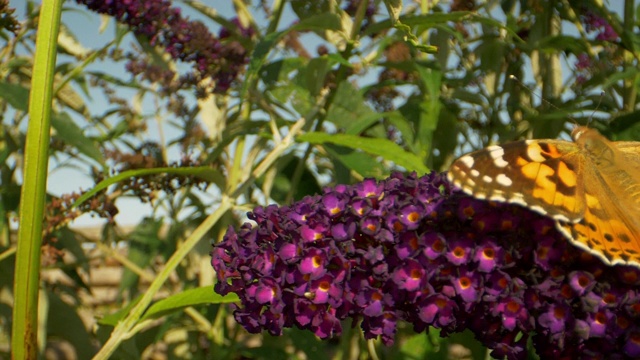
278 6
126 327
32 197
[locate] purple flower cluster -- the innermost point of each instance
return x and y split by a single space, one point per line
593 22
606 60
183 39
584 68
412 249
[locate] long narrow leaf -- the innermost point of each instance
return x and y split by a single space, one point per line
27 275
203 172
381 147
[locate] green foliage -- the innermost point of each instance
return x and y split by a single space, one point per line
332 94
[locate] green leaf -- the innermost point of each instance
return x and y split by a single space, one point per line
365 121
192 297
71 134
425 21
469 96
315 74
446 140
296 94
429 109
625 127
69 241
419 346
616 77
258 58
432 80
16 95
428 21
320 22
349 111
305 8
308 184
278 71
325 21
203 172
394 7
384 148
143 246
362 163
64 322
114 318
562 43
466 339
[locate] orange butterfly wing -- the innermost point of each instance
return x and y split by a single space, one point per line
591 187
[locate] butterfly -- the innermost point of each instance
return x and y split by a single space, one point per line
590 187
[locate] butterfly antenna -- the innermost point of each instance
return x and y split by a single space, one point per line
515 78
596 109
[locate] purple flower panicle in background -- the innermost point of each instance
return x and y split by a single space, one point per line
594 22
412 249
587 65
183 39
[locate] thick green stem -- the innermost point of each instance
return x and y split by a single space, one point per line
32 197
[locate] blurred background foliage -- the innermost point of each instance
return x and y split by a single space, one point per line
372 87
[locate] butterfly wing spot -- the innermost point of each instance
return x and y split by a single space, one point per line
590 187
503 174
541 174
538 209
504 180
555 179
625 239
542 151
534 152
561 217
497 154
607 238
592 202
467 161
584 235
567 175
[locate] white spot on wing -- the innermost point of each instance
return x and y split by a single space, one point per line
497 154
535 153
538 209
467 161
468 184
518 201
561 218
504 180
487 179
475 173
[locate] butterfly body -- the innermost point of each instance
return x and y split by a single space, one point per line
590 187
